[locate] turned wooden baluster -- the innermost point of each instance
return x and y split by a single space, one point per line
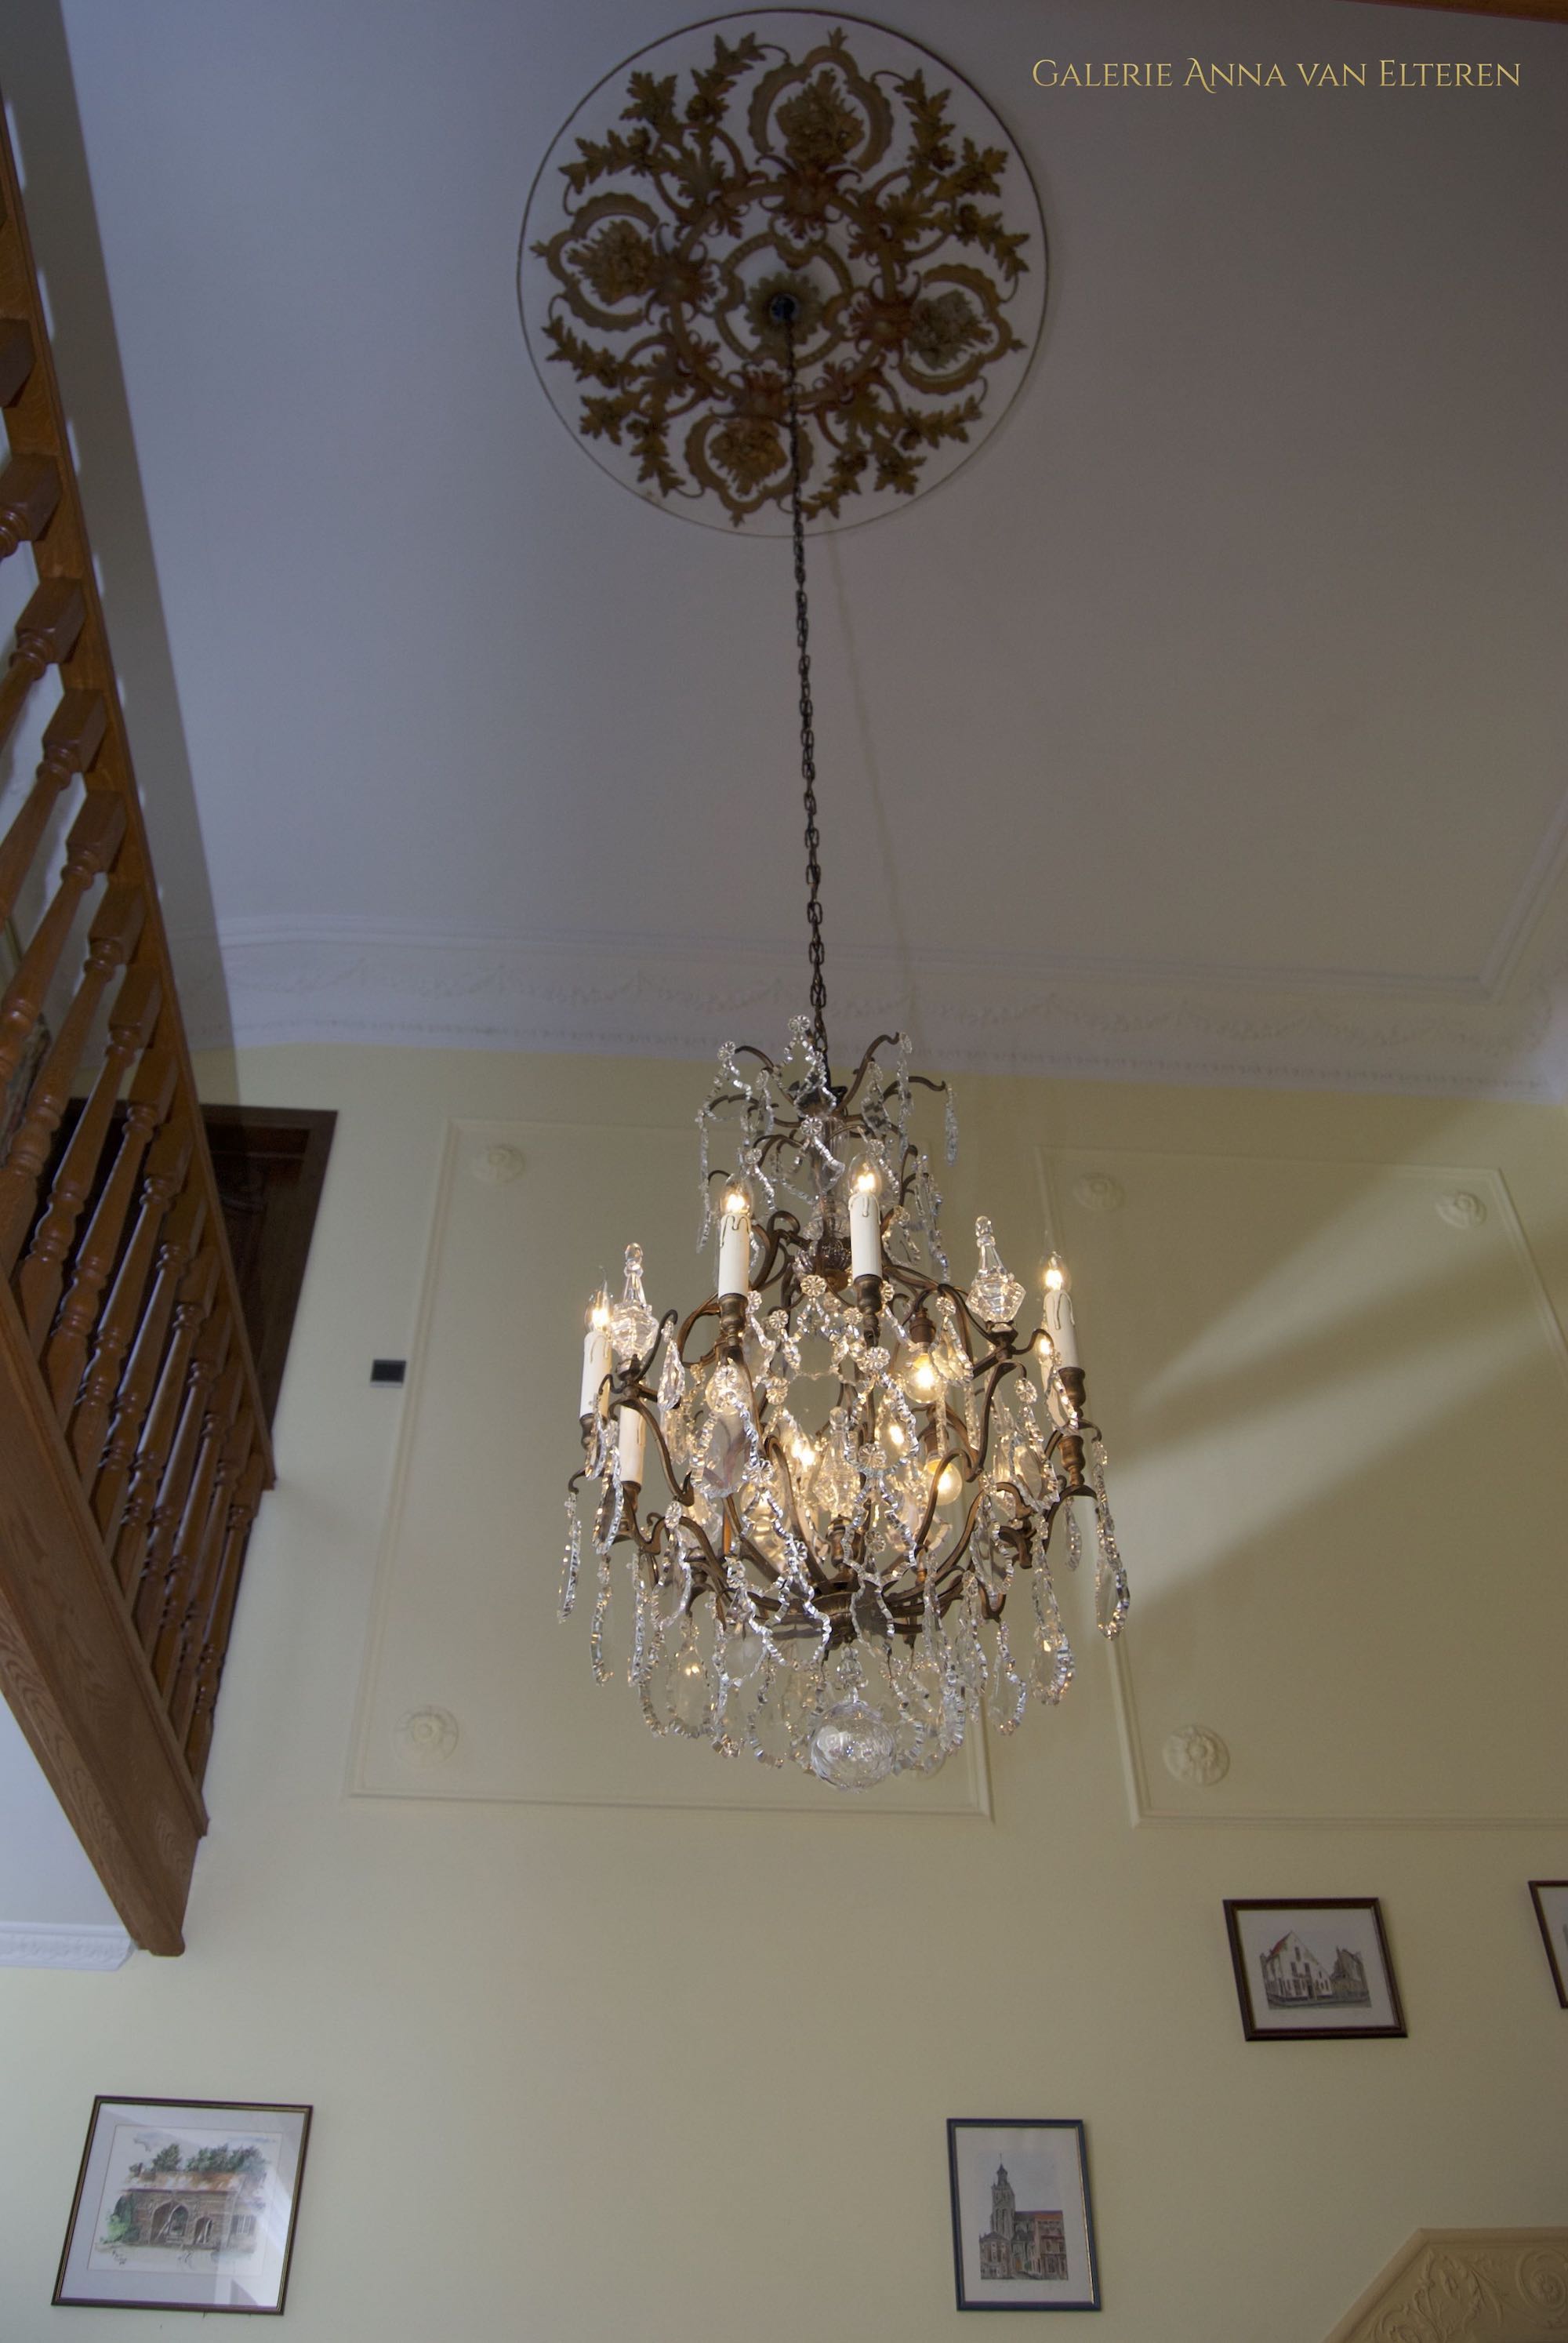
71 741
135 1396
16 358
29 492
152 1094
167 1163
91 847
214 1644
115 933
192 1306
201 1613
47 635
198 1547
131 1022
155 1595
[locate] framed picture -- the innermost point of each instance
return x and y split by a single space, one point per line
1024 2239
185 2205
1550 1897
1314 1970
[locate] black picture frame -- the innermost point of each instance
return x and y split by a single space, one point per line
1338 2000
1075 2217
199 2276
1556 1962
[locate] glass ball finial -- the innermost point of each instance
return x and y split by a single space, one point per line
853 1748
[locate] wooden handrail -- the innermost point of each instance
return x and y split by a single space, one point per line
134 1444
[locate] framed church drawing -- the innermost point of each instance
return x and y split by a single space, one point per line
1314 1970
1024 2237
185 2205
1550 1897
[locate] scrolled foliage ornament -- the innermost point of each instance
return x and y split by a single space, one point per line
788 152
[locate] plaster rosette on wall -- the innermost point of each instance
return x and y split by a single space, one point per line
789 151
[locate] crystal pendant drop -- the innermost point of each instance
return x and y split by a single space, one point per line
853 1748
996 1296
632 1324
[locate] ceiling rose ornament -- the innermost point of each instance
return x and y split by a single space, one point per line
787 151
1097 1191
1193 1754
496 1167
427 1736
868 1471
1462 1209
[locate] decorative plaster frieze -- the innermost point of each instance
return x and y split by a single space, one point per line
45 1945
1466 2286
307 980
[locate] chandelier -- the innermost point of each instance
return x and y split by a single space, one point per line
867 1470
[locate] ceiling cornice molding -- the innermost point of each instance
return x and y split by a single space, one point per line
50 1945
325 981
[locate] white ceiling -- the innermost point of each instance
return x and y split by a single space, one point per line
1211 722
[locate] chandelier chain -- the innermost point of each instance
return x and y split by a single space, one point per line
785 313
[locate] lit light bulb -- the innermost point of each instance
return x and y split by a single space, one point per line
599 1312
1056 1277
919 1377
866 1178
950 1482
896 1434
736 1200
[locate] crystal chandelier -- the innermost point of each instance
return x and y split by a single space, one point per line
865 1465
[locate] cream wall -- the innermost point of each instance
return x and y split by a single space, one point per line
587 2070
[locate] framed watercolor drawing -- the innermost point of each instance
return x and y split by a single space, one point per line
1550 1897
1314 1970
185 2205
1023 2236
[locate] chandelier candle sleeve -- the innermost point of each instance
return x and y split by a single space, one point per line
633 1446
596 1353
735 1242
1059 1319
866 1223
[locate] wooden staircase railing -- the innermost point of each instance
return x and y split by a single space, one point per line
133 1446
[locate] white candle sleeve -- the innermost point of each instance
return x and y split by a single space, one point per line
633 1443
596 1366
1059 1325
734 1252
865 1233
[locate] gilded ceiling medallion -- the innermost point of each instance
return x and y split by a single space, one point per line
789 151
